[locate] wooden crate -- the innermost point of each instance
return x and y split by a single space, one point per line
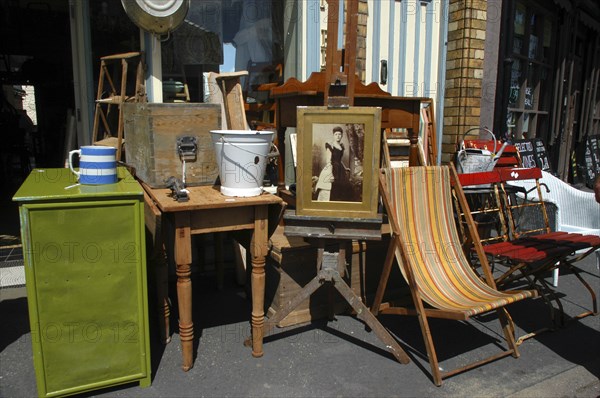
291 264
151 133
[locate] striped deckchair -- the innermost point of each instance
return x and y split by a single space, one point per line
426 245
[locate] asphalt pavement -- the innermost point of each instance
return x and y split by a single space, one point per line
341 358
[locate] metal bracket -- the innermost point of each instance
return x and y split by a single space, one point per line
336 101
187 148
330 261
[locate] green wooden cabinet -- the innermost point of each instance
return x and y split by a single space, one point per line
85 268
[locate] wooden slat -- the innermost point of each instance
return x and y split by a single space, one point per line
235 219
332 227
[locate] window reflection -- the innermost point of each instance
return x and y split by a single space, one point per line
223 36
527 86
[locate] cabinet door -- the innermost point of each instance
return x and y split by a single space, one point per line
86 285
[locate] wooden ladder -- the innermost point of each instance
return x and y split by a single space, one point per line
109 98
396 148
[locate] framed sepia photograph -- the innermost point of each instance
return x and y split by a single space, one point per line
338 162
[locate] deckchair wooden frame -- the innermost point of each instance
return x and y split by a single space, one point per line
530 253
484 202
398 248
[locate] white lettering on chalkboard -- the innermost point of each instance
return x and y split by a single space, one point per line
528 161
528 97
524 146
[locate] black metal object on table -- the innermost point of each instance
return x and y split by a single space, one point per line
177 187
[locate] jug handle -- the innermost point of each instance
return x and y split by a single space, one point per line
71 153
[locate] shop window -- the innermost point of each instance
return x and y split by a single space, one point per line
527 87
112 32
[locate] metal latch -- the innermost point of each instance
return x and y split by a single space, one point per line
187 147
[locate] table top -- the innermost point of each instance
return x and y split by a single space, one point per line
205 198
61 184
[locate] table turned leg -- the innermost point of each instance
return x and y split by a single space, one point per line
183 260
159 258
219 263
258 251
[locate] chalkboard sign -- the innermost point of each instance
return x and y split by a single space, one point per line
533 153
589 163
541 156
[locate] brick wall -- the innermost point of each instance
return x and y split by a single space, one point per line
464 71
361 40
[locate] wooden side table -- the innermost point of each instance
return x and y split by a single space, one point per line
209 211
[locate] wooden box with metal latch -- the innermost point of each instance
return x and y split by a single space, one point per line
165 140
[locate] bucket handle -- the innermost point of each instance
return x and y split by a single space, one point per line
271 153
462 141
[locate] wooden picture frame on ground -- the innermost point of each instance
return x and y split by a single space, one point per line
338 160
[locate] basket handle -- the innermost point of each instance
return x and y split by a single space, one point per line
462 141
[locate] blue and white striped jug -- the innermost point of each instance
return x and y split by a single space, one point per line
97 165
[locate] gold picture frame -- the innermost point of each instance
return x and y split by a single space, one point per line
337 177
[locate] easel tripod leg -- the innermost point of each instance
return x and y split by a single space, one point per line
270 324
363 313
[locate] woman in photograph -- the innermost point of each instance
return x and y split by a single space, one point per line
333 182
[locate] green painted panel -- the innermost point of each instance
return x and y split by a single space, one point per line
86 277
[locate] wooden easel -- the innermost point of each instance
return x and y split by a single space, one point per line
340 65
329 234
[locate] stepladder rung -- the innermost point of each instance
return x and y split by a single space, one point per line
121 80
109 141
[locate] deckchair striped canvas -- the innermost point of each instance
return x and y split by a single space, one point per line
421 203
425 243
